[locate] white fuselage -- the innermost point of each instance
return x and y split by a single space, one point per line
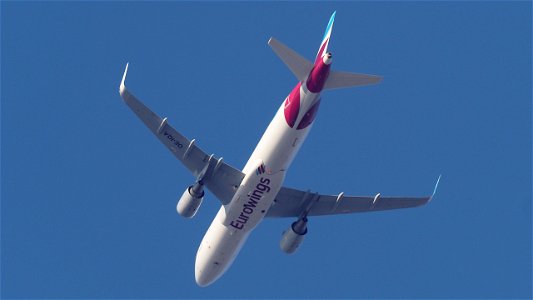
265 172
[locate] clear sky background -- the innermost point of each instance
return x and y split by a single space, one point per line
88 195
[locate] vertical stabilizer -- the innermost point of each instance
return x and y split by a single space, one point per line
325 40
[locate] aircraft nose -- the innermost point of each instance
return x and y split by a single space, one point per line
201 279
204 272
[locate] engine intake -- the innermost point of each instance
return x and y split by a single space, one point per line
191 200
294 236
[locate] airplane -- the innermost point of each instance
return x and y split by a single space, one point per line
257 192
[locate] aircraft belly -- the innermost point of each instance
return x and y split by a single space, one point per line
279 144
234 222
265 172
253 198
217 251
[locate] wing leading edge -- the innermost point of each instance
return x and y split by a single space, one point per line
293 203
224 179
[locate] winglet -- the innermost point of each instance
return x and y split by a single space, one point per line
122 86
435 189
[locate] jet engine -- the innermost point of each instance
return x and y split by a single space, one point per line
294 236
191 200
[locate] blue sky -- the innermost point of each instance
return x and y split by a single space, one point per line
88 195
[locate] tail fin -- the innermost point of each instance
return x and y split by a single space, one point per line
301 67
338 80
325 40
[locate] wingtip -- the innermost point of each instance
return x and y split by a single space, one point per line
122 85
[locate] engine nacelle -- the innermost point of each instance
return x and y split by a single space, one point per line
190 201
294 236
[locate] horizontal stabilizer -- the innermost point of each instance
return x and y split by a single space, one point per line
298 65
338 80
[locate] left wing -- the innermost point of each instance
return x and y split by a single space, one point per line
223 179
295 203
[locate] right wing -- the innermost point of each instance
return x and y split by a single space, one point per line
224 180
295 203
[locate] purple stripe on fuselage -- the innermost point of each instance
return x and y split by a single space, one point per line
309 116
292 105
317 77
